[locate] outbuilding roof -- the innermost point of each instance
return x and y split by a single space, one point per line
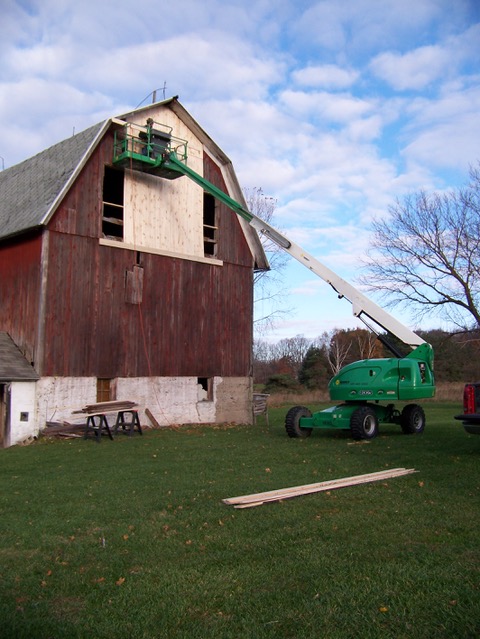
13 365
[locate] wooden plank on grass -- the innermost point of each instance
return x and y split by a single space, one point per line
307 487
150 416
257 499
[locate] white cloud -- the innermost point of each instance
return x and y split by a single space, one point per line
41 61
413 70
422 66
329 107
202 66
328 76
58 110
364 26
443 132
447 144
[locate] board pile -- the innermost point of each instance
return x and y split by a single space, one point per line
258 499
107 407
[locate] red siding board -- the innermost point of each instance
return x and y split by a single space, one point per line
19 290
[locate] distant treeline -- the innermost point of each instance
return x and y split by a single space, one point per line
298 361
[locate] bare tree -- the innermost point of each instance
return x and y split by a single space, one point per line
426 255
293 349
366 343
268 285
285 356
336 349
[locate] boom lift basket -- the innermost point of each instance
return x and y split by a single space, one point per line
143 148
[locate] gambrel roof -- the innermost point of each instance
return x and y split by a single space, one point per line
31 191
28 190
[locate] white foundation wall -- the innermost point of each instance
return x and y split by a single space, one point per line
171 400
58 397
181 400
234 400
22 412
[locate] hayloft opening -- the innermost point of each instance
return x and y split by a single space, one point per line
209 226
113 204
206 384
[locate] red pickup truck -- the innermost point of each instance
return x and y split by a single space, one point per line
470 417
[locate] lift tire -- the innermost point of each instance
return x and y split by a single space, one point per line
292 425
412 419
364 423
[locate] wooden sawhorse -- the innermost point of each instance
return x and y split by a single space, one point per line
127 425
97 424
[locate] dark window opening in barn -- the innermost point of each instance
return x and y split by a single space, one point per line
209 226
206 392
112 214
105 390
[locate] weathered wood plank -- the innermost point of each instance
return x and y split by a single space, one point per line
152 419
257 499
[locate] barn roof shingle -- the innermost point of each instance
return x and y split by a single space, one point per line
13 365
29 189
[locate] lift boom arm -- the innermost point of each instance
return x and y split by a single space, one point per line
362 306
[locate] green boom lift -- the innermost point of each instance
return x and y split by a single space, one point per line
358 388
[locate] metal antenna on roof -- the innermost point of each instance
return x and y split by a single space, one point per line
154 95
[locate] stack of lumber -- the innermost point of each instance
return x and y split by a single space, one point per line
249 501
107 407
66 429
63 429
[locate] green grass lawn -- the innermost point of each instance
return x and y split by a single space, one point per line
130 539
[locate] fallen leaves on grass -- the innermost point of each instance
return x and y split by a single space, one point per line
361 442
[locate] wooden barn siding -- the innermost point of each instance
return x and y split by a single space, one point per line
19 290
233 247
80 212
195 319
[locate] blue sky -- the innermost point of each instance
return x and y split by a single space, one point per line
334 108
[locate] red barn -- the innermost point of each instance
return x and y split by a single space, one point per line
116 283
